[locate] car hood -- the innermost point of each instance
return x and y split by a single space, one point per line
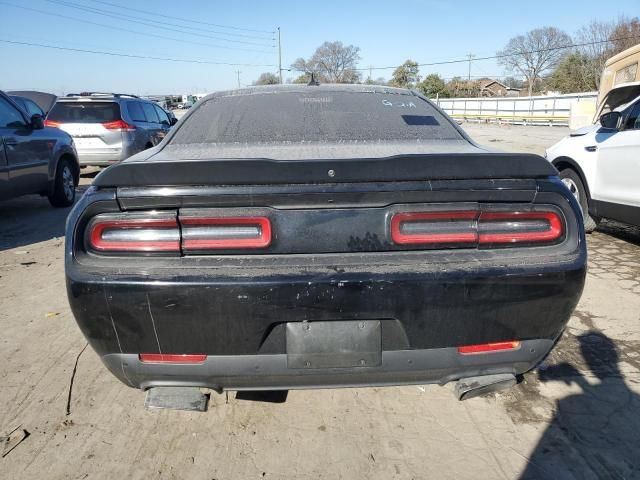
44 100
584 130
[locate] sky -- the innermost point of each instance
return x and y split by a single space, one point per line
386 33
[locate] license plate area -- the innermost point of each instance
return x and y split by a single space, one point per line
337 344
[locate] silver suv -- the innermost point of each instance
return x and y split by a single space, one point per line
109 127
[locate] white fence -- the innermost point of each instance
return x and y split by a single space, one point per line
570 109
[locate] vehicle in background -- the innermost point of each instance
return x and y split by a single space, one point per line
109 127
35 159
296 236
600 163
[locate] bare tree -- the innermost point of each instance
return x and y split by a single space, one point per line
595 47
332 62
625 34
535 53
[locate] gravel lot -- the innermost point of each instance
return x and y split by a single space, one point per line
574 418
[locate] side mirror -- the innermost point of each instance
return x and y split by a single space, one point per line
174 120
610 120
37 122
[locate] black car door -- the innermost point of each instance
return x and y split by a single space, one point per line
27 151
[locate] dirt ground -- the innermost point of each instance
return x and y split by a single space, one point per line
576 417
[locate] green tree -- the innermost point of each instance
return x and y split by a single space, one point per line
573 74
304 78
406 75
267 78
433 86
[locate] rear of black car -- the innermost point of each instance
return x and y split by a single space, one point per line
319 237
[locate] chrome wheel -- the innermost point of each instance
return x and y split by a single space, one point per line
68 183
573 188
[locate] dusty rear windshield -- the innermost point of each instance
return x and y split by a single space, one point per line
322 116
84 112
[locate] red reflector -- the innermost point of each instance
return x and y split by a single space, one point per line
225 232
119 125
51 123
517 231
439 227
171 358
489 347
139 235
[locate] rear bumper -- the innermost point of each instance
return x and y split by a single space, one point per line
89 158
271 372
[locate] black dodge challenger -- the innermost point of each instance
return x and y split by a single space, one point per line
323 236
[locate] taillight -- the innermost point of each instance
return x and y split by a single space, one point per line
149 234
516 227
434 227
120 125
51 123
489 347
171 358
476 228
225 233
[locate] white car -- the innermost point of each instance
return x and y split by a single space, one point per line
600 163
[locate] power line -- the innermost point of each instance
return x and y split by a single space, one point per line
184 19
96 11
122 8
127 55
492 57
145 34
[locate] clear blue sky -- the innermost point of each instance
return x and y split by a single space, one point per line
387 34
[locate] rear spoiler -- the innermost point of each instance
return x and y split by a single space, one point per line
456 166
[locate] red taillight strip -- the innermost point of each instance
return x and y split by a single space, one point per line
553 232
469 236
171 358
119 125
489 347
98 243
261 241
51 123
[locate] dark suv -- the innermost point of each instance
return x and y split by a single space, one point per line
34 159
109 127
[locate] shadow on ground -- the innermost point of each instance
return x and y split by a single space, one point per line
594 434
31 219
628 233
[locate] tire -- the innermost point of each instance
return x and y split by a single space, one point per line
573 182
64 185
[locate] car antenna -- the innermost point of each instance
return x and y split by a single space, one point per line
313 82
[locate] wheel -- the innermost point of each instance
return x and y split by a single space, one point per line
572 180
64 185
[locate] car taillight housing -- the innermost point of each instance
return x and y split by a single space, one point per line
119 125
151 234
160 232
225 233
465 228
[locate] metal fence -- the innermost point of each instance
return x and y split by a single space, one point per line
539 110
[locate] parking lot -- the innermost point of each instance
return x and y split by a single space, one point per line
576 417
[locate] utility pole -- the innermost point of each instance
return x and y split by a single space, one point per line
238 72
470 56
279 55
370 69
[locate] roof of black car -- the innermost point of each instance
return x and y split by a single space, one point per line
303 88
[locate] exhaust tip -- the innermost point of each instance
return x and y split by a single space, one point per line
470 387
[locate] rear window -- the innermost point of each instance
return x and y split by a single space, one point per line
84 112
321 116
